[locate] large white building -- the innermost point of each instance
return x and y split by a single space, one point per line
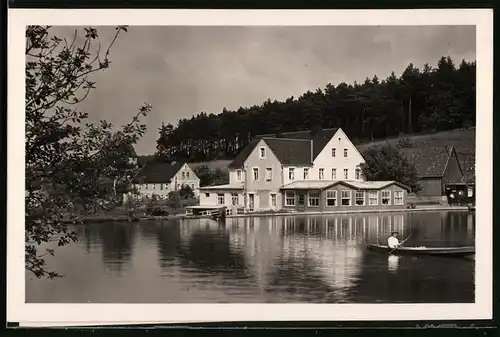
266 172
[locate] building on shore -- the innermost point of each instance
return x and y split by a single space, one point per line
436 167
159 179
304 166
343 195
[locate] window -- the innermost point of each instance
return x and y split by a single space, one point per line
373 198
273 200
262 152
358 174
234 199
291 173
290 198
192 186
334 173
207 195
346 173
331 198
333 152
183 175
306 173
154 186
398 197
340 139
220 198
161 187
238 174
313 198
345 198
360 198
386 197
187 175
470 192
269 174
146 186
321 173
345 153
255 173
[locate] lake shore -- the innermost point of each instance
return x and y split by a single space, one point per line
126 218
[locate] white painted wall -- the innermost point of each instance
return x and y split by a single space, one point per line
325 159
233 176
209 198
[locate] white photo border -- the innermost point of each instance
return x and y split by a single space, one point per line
102 314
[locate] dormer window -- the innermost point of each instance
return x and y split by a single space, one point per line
262 153
291 173
306 173
238 175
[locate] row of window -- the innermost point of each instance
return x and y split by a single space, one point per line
262 152
185 175
346 198
291 174
221 199
334 152
163 186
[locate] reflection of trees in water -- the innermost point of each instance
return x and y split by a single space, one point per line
88 235
117 244
168 238
414 279
210 252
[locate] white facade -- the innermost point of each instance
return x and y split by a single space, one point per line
185 176
262 174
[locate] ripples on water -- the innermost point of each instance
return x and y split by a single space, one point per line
275 259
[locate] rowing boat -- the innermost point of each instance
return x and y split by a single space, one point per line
442 251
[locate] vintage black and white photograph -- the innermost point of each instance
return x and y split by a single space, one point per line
252 163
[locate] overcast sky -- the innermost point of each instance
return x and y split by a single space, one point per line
182 71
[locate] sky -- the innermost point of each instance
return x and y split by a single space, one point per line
184 70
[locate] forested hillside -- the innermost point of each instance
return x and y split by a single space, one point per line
419 100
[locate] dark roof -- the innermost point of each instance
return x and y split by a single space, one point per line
290 151
243 155
430 161
157 173
320 139
287 154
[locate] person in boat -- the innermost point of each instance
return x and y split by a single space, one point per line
393 241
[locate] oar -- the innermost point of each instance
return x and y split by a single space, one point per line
400 243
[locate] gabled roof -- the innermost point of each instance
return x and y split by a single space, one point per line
286 152
157 173
320 139
429 161
243 155
290 151
354 184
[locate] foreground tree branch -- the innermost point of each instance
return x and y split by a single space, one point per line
69 162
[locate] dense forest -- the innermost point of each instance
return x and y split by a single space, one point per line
427 100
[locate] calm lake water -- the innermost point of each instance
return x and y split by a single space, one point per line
315 259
